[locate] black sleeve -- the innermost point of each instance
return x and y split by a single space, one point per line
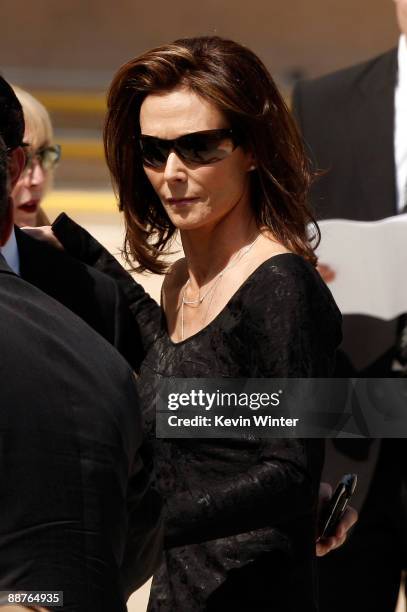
81 245
280 488
125 333
144 543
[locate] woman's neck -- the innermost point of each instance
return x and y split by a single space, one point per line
209 250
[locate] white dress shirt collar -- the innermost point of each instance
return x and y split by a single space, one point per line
10 253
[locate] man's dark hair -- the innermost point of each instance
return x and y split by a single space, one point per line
11 116
4 201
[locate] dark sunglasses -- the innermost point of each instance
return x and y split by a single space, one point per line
206 147
47 157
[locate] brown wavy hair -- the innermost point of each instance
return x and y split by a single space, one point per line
233 79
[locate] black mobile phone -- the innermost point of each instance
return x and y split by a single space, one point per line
337 505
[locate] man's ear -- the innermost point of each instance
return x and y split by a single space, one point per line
7 225
16 163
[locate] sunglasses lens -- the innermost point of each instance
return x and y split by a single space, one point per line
199 147
154 151
205 148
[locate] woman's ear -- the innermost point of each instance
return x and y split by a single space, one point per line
16 163
251 162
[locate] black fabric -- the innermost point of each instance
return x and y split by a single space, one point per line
88 293
145 311
70 440
237 512
364 573
400 352
401 345
11 116
248 503
347 120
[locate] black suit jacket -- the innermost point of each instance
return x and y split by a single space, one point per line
77 513
89 293
347 121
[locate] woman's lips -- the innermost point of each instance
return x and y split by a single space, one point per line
29 207
181 201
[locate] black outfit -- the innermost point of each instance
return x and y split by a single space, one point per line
239 514
364 573
347 120
77 513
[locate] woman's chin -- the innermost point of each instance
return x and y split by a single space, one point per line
25 219
185 221
193 220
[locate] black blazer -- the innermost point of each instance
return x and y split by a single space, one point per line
77 513
347 121
89 293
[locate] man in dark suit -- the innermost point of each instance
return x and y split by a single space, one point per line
347 120
353 124
77 513
91 295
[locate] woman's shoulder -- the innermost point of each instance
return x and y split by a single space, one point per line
287 283
287 271
289 324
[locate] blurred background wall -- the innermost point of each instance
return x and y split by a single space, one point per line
66 52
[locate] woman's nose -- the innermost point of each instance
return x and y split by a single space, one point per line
36 173
175 170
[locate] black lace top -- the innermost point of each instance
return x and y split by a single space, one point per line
239 514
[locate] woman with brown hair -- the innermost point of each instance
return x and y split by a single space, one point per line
199 141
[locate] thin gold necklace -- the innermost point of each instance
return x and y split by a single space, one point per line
196 303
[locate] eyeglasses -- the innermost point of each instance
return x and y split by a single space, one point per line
47 157
206 147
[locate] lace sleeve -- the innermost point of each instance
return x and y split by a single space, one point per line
80 244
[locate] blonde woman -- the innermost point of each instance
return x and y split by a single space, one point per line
42 155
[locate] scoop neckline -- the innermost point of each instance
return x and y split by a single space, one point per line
228 303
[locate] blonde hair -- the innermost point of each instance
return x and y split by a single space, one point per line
36 117
39 127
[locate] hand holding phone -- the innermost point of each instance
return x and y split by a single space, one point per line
335 508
